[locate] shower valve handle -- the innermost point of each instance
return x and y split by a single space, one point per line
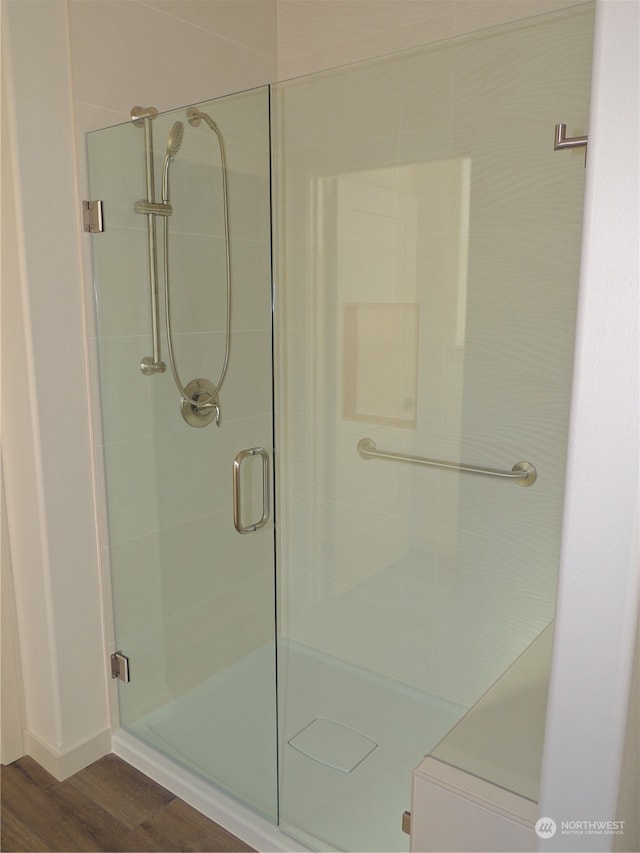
211 404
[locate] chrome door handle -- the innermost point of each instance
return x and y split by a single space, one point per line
237 462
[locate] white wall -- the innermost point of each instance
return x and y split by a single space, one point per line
46 434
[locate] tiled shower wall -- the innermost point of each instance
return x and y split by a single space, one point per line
318 34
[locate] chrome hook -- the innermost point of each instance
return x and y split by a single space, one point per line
561 141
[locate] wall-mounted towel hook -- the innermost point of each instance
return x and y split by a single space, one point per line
561 141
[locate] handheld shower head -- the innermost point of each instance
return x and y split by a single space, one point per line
175 139
174 142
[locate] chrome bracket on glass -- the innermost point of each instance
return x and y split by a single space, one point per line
120 667
92 216
237 462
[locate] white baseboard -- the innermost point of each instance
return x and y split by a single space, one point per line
65 764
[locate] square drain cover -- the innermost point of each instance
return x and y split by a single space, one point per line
333 744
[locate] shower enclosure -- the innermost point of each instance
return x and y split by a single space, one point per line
322 562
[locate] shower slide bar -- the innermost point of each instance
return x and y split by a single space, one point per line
200 403
523 473
142 117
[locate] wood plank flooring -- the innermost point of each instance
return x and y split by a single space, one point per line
109 806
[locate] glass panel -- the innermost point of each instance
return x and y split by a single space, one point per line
193 599
500 739
427 251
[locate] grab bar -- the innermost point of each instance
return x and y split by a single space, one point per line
524 473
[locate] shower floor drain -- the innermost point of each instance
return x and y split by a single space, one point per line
333 744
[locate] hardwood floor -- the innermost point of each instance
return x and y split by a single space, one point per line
109 806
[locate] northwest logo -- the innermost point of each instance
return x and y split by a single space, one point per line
545 827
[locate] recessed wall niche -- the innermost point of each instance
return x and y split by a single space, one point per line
380 363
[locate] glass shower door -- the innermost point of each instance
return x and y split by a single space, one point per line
193 581
428 243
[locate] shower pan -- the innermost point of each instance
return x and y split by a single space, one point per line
369 277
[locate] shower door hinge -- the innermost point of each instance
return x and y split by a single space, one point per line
92 220
406 822
120 666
